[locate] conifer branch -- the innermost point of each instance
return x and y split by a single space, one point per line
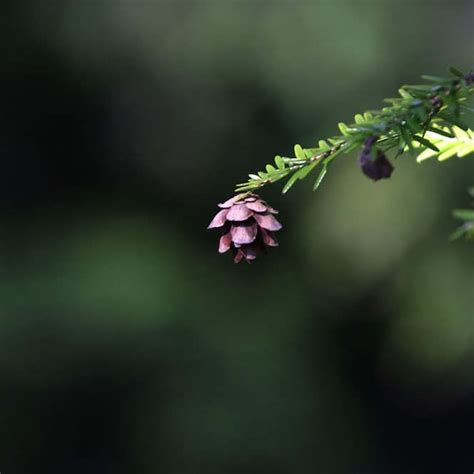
425 120
415 121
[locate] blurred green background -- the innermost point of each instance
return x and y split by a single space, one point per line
127 344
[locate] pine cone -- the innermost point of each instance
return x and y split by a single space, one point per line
378 168
247 223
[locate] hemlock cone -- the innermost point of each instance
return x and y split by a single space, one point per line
248 224
377 168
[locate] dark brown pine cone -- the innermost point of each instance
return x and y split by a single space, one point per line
375 169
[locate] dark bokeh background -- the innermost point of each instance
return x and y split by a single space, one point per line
127 345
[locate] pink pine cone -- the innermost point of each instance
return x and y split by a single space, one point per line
248 224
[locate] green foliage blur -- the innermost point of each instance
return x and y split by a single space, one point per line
128 345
